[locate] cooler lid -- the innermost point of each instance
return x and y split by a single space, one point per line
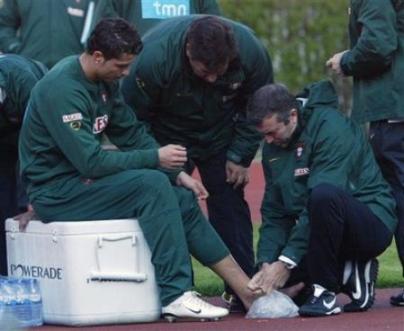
76 227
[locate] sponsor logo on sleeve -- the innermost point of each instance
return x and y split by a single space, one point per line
302 172
75 12
72 117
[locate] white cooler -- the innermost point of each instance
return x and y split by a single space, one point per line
91 272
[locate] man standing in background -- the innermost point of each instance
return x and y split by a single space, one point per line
45 30
191 83
376 62
18 75
145 14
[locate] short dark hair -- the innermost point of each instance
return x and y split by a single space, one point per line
211 41
269 100
114 37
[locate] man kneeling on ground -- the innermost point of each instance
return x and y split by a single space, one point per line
325 200
71 178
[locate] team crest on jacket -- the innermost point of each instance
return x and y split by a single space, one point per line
100 123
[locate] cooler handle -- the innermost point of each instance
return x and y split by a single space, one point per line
101 239
117 277
111 277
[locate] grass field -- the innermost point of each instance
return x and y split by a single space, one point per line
207 283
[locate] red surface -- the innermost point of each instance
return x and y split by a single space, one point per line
381 317
254 191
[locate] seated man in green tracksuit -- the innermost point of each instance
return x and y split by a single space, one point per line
191 84
325 199
18 75
70 177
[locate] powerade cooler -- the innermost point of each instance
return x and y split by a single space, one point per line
90 272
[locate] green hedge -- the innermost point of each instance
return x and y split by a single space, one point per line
300 36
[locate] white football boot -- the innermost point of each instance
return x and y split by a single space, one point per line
191 306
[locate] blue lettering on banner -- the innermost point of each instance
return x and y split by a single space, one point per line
161 9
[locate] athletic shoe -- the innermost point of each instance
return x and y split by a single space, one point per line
191 306
397 300
233 303
360 284
321 303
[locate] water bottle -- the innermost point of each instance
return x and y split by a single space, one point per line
35 301
8 321
22 302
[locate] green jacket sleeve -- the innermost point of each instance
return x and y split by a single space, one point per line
78 142
258 70
378 40
280 233
9 24
274 231
127 133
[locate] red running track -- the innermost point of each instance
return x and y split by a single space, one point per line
382 317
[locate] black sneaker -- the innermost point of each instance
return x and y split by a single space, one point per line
233 303
397 300
359 284
321 303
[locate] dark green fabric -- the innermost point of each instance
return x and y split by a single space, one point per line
182 108
326 148
376 59
54 145
131 10
44 30
170 218
71 178
18 75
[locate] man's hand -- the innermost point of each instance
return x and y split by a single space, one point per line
271 277
185 180
24 218
172 156
334 63
236 174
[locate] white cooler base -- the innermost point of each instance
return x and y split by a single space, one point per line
90 272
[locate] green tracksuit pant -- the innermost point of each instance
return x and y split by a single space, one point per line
170 218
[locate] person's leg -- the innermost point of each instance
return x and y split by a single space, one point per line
143 194
387 141
341 228
207 247
8 199
228 212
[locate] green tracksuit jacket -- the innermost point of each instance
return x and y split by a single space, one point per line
182 108
45 30
65 119
18 75
326 148
145 14
376 59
